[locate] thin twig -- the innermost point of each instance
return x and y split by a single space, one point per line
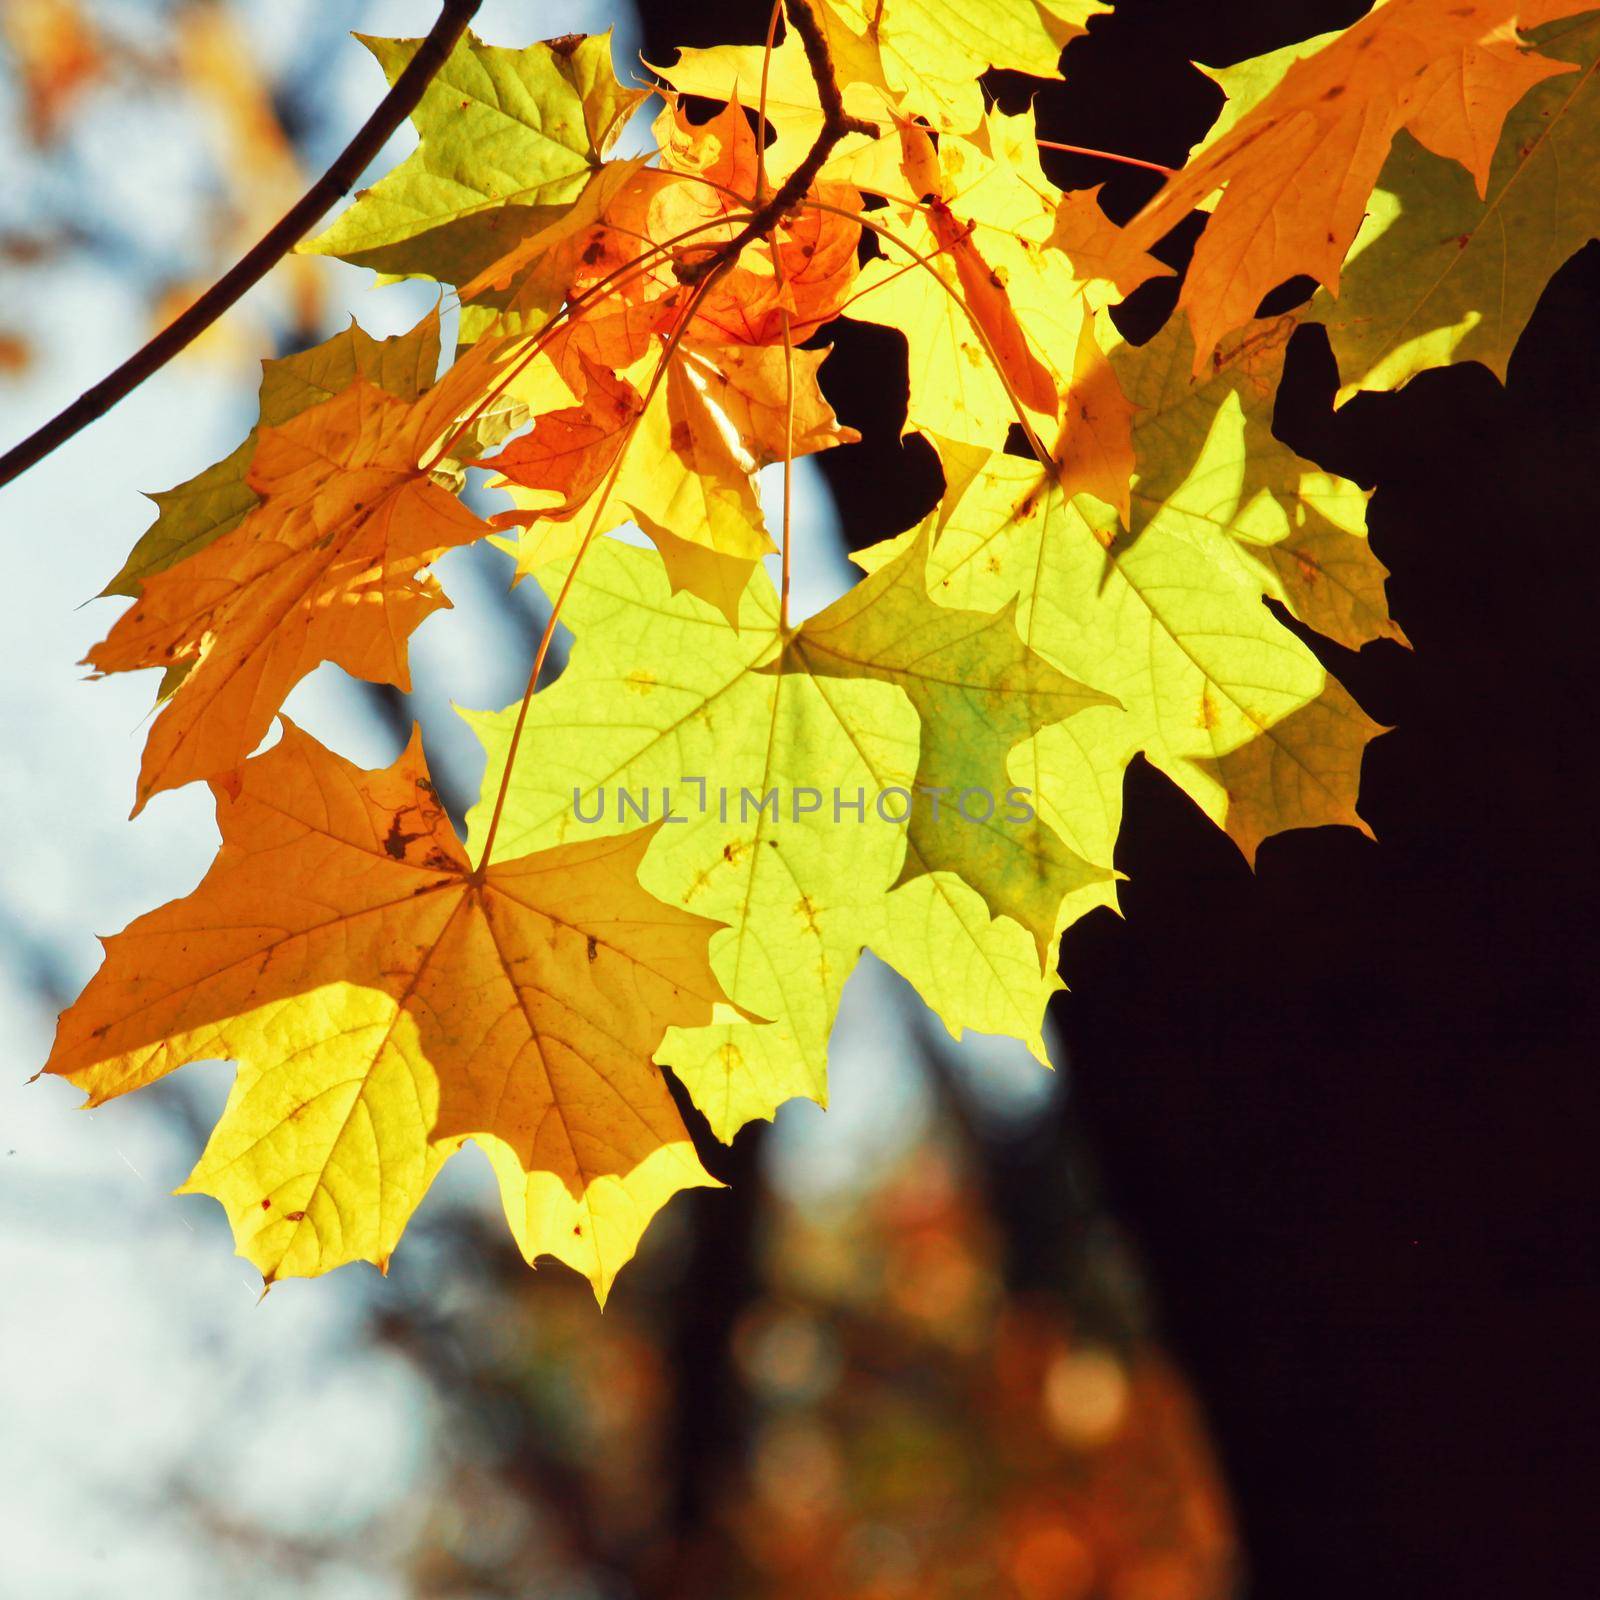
669 350
836 123
338 180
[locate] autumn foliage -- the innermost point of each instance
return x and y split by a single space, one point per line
1124 561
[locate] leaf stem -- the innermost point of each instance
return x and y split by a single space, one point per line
1106 155
257 262
669 350
788 467
761 108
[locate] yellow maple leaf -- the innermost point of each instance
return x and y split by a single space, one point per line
932 52
793 109
386 1003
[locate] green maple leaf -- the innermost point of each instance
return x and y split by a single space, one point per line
1438 273
980 692
509 139
660 691
1169 618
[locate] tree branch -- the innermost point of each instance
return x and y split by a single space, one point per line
251 268
836 123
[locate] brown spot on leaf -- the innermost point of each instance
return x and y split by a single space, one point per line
396 839
295 1216
594 948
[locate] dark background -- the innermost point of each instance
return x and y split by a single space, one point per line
1345 1104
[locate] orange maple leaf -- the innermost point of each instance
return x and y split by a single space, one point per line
325 568
721 407
572 448
386 1003
1095 450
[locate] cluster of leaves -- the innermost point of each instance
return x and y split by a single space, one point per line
639 336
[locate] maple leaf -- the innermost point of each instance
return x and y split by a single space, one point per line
1442 270
705 185
218 499
932 52
509 138
1103 257
794 112
979 692
1168 618
662 697
323 569
1311 127
386 1004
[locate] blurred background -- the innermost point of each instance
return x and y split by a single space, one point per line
906 1354
1284 1283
